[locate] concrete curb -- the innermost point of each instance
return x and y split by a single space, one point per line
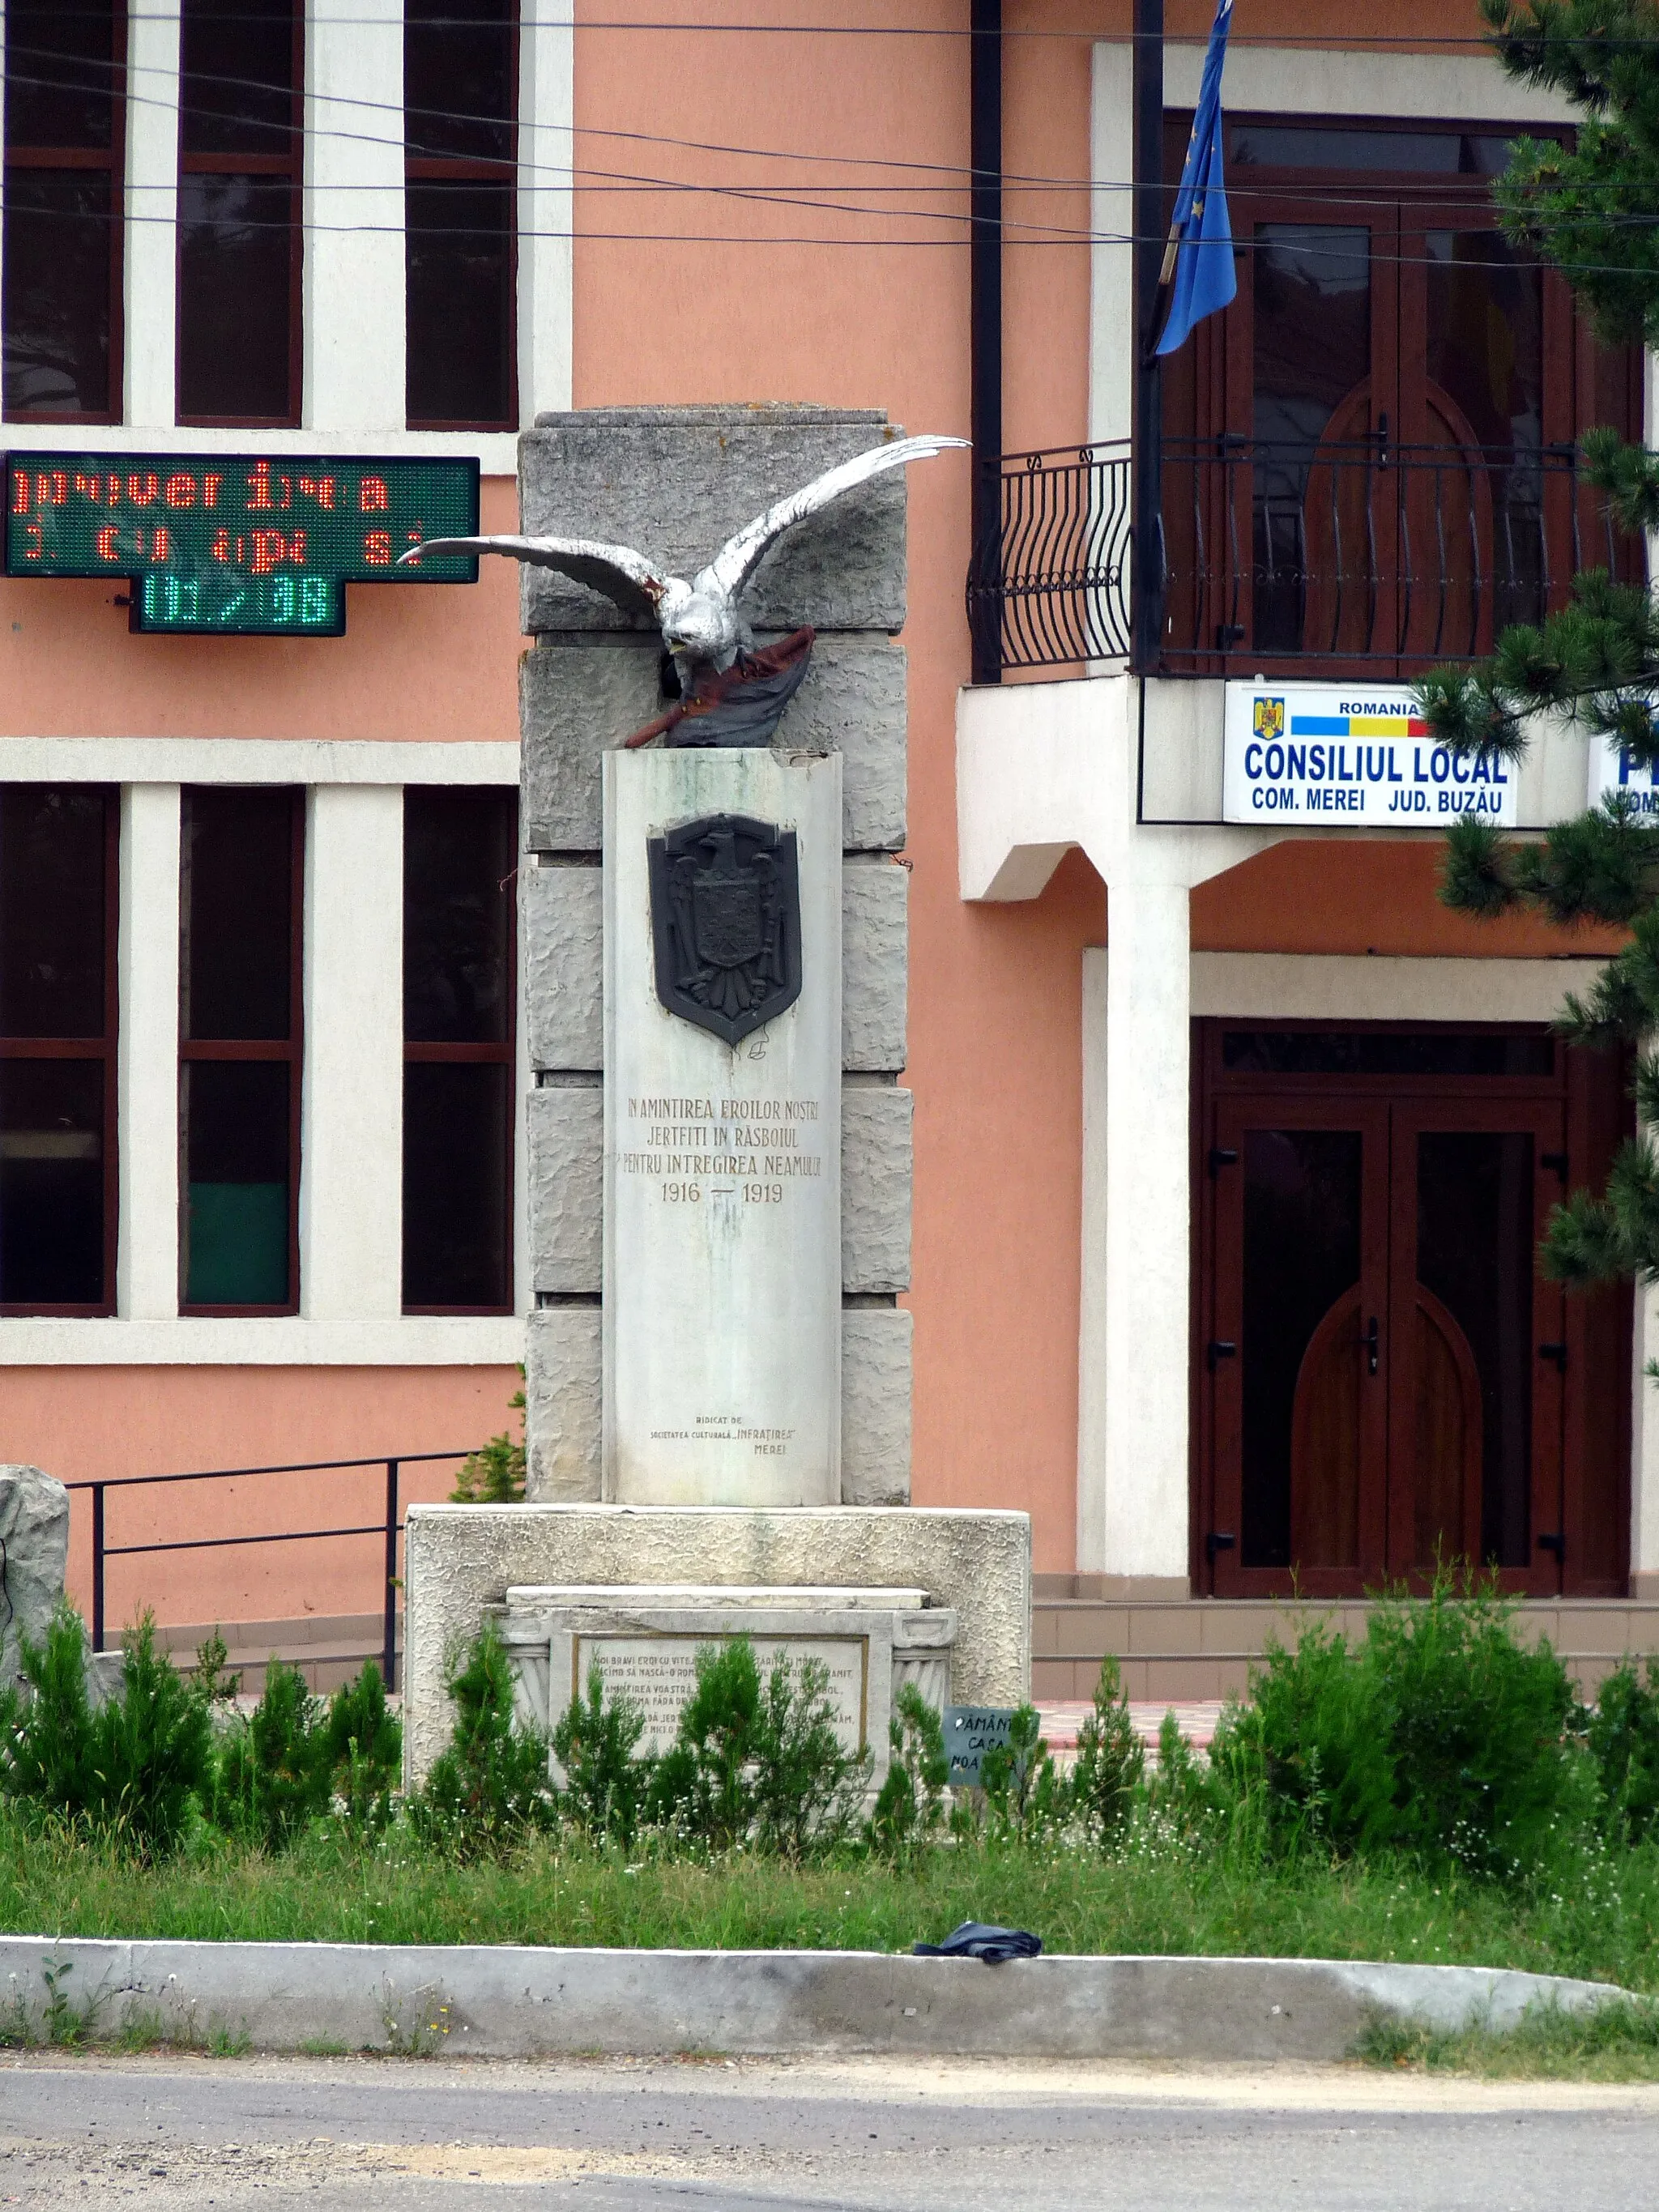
508 2001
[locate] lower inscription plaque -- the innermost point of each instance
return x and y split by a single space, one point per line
657 1673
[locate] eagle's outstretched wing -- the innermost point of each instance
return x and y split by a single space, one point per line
623 576
737 560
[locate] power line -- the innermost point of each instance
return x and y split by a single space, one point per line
1433 185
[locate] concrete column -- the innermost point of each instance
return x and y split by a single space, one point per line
546 203
354 211
1091 1304
352 1113
1644 1450
1144 1517
151 259
147 1252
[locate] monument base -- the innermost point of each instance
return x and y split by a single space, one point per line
643 1641
692 1572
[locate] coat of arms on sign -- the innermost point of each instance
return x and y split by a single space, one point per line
725 919
1268 721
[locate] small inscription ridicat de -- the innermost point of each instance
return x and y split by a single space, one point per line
657 1673
970 1732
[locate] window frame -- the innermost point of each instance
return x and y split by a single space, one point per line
107 1048
113 162
427 169
504 1051
290 1049
291 166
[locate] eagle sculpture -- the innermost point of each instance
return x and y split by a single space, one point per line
730 693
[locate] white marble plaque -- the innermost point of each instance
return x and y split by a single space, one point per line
657 1673
722 1166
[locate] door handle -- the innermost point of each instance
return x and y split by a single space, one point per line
1218 1541
1556 1543
1218 1350
1558 1352
1369 1338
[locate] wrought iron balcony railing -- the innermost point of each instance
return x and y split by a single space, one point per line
1284 556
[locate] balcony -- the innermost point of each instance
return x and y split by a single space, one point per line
1286 557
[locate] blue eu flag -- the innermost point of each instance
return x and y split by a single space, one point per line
1201 237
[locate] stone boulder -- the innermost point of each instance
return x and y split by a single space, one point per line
34 1515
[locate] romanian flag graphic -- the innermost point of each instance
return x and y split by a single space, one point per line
1359 725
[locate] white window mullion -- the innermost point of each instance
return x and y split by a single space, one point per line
351 1140
151 261
147 1267
353 285
546 203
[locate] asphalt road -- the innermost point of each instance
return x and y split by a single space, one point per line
613 2136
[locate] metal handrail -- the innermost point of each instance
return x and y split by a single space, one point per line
391 1526
1283 550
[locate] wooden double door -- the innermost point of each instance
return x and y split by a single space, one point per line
1385 1372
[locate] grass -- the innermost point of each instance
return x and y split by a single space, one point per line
1159 1895
1619 2043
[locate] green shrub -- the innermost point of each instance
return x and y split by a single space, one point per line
494 1475
272 1778
606 1784
362 1748
1485 1769
807 1789
755 1760
1440 1735
910 1807
489 1788
1623 1736
294 1759
135 1767
1182 1795
1314 1750
1026 1797
1111 1761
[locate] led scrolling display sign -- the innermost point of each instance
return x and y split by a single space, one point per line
236 544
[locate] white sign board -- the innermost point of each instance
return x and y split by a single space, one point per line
1348 757
722 1164
1612 770
659 1674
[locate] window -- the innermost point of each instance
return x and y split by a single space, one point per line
240 140
1370 456
459 861
65 155
241 866
58 859
460 96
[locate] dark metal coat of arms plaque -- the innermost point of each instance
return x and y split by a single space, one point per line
726 920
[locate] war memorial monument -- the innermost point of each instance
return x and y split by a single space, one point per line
713 928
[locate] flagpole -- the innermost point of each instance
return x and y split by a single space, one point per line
1147 451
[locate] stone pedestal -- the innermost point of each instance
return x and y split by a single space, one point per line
718 1367
722 1160
713 1570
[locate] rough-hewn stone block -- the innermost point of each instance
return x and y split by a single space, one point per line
676 482
563 1406
575 702
567 1188
34 1518
875 1406
852 703
875 952
875 1187
564 953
